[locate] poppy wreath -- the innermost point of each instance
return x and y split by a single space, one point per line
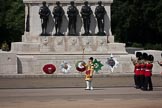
49 68
80 66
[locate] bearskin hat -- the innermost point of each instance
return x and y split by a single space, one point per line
138 54
144 56
151 57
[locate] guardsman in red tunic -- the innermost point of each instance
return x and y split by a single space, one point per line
148 74
137 69
142 74
137 74
142 71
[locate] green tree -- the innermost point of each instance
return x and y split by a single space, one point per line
11 20
150 31
137 21
2 10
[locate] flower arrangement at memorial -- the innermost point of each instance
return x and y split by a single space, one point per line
112 63
65 67
97 65
80 66
49 68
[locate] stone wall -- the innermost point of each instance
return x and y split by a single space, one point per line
33 64
70 44
8 63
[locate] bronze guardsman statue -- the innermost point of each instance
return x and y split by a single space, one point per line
72 14
100 13
44 13
58 13
86 15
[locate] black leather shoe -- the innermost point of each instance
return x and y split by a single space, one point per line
150 89
144 89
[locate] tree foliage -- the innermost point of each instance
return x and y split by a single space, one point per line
137 21
11 20
133 21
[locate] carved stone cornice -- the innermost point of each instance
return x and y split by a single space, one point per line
68 1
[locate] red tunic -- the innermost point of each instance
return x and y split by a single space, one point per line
148 71
143 67
137 69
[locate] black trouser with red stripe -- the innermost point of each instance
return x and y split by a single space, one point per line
148 83
137 80
142 81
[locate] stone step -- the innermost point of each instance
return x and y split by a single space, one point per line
70 81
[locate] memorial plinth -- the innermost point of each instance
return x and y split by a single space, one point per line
66 44
70 45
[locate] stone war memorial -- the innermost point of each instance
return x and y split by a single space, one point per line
61 33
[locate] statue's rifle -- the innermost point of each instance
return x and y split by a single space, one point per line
83 54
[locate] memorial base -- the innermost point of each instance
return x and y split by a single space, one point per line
29 58
34 63
69 45
32 56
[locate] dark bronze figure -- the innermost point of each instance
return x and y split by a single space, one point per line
58 13
86 15
100 13
28 20
44 13
72 14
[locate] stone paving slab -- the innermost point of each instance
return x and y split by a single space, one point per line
122 97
